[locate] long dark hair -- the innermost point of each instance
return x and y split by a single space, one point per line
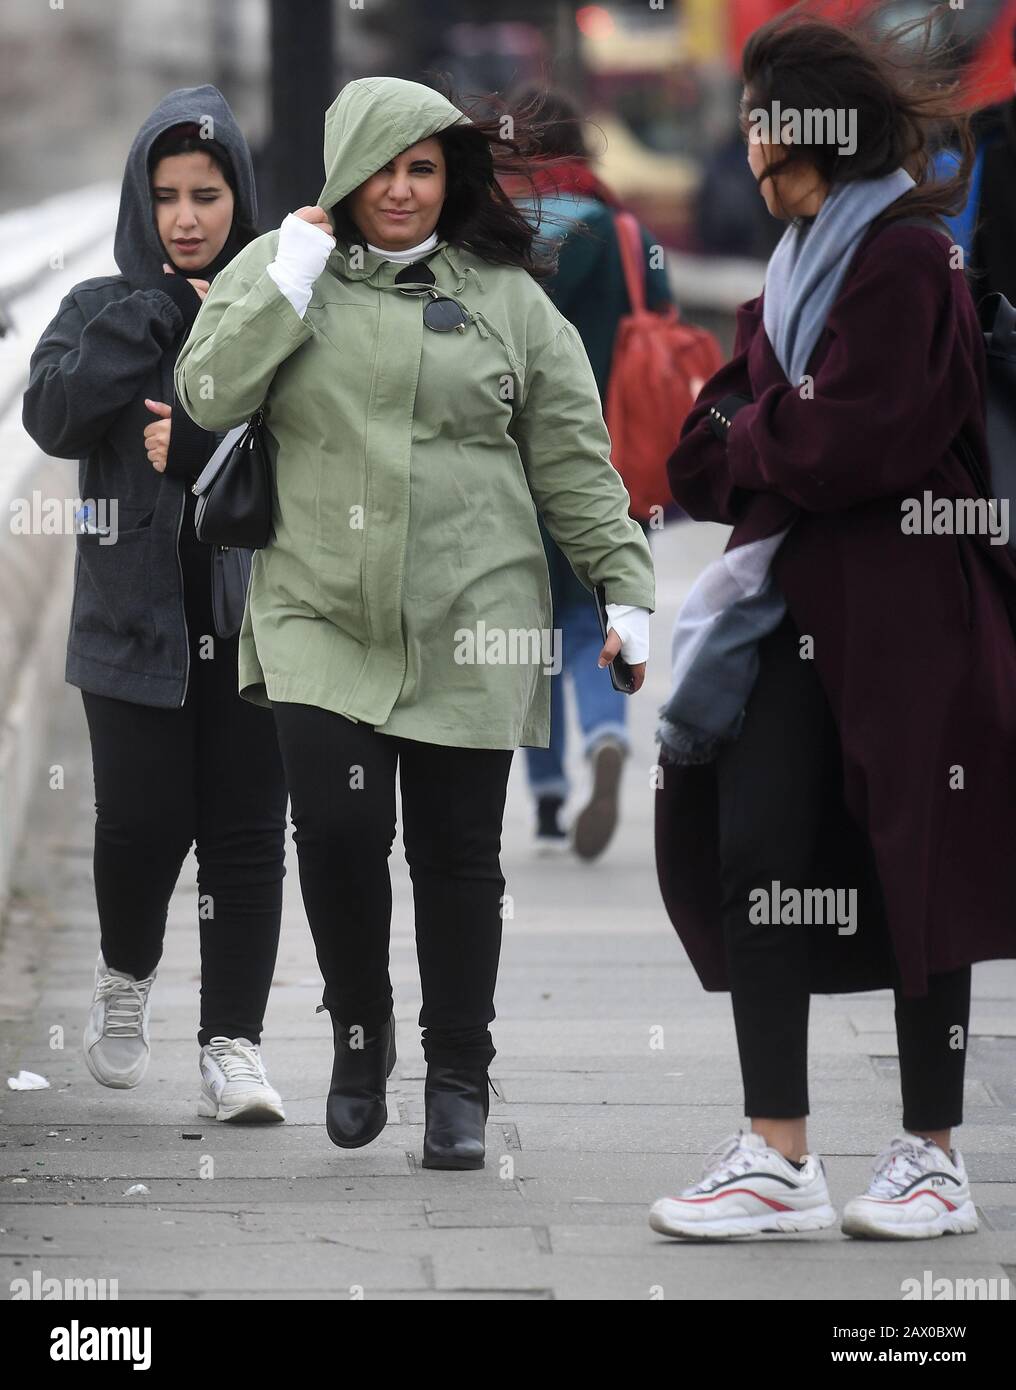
905 93
505 140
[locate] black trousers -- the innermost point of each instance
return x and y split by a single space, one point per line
773 782
341 778
209 775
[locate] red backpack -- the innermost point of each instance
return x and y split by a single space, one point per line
658 368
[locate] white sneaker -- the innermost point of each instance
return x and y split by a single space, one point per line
747 1187
116 1033
234 1085
916 1191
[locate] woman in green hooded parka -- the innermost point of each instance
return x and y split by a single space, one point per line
423 403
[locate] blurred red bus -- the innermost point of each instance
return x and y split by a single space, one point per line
982 31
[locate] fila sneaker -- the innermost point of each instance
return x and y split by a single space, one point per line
916 1191
747 1187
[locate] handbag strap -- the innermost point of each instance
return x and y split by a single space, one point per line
629 243
233 439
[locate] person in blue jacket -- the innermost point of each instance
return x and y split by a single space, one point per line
578 209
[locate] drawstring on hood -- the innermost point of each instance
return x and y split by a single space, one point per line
137 247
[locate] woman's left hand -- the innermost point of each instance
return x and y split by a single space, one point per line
610 649
157 435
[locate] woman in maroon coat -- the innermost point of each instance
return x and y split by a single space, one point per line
879 738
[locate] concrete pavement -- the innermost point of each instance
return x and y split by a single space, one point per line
618 1075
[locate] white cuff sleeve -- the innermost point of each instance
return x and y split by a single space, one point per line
632 626
300 258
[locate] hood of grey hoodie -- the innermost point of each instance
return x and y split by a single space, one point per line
137 248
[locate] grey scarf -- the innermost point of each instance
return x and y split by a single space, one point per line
735 601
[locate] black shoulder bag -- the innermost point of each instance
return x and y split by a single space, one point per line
234 515
234 490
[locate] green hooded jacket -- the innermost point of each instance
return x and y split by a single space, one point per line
406 584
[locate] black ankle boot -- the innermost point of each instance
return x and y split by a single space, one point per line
356 1111
457 1104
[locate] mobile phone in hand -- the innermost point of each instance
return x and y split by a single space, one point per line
620 672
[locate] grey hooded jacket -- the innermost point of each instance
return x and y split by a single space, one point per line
113 342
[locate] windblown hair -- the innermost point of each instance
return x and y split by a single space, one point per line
559 120
901 84
504 141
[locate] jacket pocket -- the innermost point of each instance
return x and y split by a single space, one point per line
112 595
340 579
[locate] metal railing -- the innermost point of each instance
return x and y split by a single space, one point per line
44 251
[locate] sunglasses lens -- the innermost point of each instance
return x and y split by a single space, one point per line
444 314
419 273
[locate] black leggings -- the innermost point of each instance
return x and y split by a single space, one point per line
341 778
773 782
208 774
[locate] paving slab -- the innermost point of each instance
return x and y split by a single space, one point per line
618 1076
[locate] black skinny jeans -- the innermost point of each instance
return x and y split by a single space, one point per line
209 775
772 783
341 778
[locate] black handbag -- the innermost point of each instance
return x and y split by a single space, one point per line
234 490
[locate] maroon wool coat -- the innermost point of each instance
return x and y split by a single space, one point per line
913 635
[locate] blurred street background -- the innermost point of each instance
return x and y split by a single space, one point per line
658 81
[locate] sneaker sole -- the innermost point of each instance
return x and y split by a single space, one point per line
786 1223
243 1112
119 1084
596 823
962 1222
552 848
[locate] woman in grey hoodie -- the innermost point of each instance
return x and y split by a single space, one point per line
179 759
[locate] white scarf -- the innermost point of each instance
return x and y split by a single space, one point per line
406 257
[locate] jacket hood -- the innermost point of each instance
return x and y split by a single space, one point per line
371 121
137 249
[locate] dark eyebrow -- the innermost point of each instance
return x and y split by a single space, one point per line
168 188
424 159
